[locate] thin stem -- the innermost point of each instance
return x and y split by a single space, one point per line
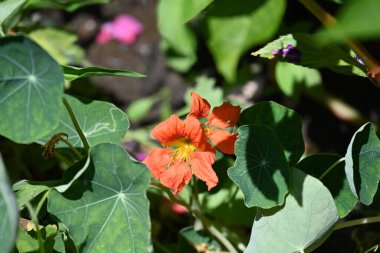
357 222
41 202
35 221
328 20
76 152
173 198
330 168
76 125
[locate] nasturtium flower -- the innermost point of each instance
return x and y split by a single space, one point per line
185 151
217 124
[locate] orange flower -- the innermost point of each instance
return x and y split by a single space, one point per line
216 124
185 152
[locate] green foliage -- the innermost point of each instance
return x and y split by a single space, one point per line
356 20
199 240
100 122
285 122
27 240
301 225
106 210
260 170
73 73
313 54
362 159
67 5
293 79
330 170
233 28
26 191
31 84
8 211
8 10
179 41
59 44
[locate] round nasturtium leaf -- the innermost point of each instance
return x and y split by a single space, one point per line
286 123
99 121
362 163
31 88
331 168
260 170
106 209
301 225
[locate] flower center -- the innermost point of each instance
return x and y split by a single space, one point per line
182 149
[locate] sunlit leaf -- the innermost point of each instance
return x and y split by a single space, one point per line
200 240
27 239
26 191
106 210
331 169
8 9
286 123
233 28
31 88
260 170
356 20
60 45
314 55
68 5
8 212
73 73
362 163
301 225
99 121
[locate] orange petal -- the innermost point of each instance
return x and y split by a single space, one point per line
176 177
194 131
202 168
224 141
157 161
200 107
223 114
169 130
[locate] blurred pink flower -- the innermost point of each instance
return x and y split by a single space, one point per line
124 29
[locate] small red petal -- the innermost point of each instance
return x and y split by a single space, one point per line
157 161
194 132
224 141
223 114
169 130
201 166
176 177
200 107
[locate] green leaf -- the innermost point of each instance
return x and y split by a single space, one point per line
233 28
73 73
8 212
68 5
31 88
315 55
26 191
362 160
140 108
205 87
200 240
330 170
179 41
293 79
286 123
8 9
60 45
27 239
99 121
357 20
301 225
260 169
106 210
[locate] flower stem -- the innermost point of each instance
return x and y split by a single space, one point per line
75 151
76 125
37 227
357 222
328 20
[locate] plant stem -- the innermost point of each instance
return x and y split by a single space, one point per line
35 221
41 202
330 168
173 198
357 222
76 125
328 20
76 152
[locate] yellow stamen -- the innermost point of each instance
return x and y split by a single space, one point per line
183 148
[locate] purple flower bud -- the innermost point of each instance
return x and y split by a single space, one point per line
357 58
290 54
